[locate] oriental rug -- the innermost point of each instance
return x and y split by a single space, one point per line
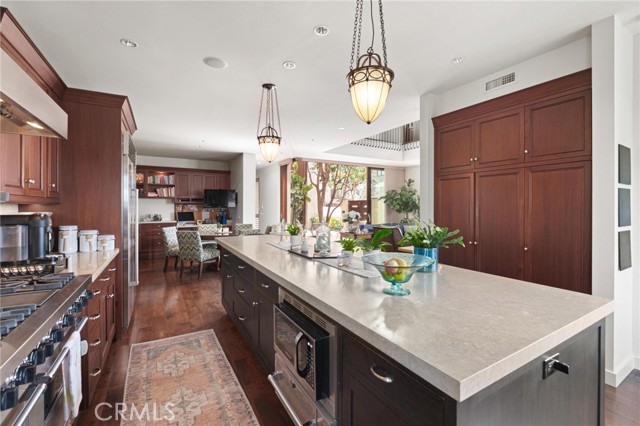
183 381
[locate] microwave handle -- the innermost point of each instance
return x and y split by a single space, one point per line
305 370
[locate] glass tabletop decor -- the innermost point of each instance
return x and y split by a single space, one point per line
397 269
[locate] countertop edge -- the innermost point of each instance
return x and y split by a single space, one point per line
78 262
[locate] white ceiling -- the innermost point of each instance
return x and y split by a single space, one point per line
179 102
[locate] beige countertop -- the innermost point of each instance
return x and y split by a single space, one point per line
90 263
460 330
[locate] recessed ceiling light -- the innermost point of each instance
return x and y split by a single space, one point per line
340 128
128 43
321 30
289 65
34 125
214 62
457 59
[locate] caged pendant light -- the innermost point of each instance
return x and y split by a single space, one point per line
268 136
370 81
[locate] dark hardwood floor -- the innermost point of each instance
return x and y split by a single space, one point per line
166 306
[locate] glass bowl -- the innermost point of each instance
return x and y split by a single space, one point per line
397 269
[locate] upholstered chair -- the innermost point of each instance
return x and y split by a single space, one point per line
170 241
208 229
245 229
192 250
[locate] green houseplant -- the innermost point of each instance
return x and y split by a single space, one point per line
374 243
428 239
404 201
294 231
349 244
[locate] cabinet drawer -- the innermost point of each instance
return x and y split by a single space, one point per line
93 307
245 289
413 398
243 312
267 286
93 372
248 272
228 258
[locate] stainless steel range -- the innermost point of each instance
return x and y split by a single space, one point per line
39 309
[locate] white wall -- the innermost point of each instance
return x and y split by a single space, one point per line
163 206
413 173
611 61
393 179
635 197
146 160
270 195
243 180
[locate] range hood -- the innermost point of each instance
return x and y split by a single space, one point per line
25 107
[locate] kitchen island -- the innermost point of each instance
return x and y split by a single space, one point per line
468 336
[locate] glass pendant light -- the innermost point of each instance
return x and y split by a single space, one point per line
370 81
268 136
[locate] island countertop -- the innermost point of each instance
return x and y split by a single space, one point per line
459 330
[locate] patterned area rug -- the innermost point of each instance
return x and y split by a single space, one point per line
183 381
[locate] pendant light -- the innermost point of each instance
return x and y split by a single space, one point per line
268 136
370 81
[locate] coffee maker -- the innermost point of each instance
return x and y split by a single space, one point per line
33 231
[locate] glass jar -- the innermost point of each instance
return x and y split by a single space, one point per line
323 239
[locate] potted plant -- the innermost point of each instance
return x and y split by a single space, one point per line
428 239
349 246
294 231
374 245
352 219
404 201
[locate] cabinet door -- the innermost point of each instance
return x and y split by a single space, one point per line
499 225
265 332
13 160
111 312
183 185
197 185
211 182
227 287
224 181
559 128
36 169
454 209
53 167
500 139
558 226
454 148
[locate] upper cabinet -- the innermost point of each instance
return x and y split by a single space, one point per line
181 184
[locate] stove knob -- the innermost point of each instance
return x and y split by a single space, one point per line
76 307
68 320
56 334
25 373
37 356
89 294
47 346
84 301
8 396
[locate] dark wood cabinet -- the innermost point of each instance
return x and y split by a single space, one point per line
35 169
191 183
197 185
53 167
183 185
377 391
513 175
558 226
248 297
13 164
150 239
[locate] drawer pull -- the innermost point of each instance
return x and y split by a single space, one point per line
97 292
241 318
241 267
105 279
95 372
94 317
110 296
229 276
255 303
381 374
225 255
264 285
241 290
96 343
112 269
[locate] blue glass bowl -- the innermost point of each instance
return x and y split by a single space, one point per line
397 268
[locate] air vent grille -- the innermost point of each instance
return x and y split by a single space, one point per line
309 313
500 81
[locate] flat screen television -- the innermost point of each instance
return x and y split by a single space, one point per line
224 198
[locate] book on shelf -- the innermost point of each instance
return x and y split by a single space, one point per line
168 192
161 179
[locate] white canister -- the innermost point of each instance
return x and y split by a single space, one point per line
68 239
88 240
106 242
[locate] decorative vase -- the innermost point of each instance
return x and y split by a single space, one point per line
429 252
295 241
368 266
323 240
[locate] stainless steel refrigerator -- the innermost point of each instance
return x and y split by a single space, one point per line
129 229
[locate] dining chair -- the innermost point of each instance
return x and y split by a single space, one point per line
208 229
245 229
170 241
192 250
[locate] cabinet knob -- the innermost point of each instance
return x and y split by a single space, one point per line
241 290
475 243
475 158
110 296
471 159
526 249
255 303
526 151
470 243
53 185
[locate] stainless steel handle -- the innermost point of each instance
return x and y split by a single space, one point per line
96 343
82 323
97 292
112 269
105 279
287 406
110 296
255 303
264 285
229 276
241 318
94 317
241 290
382 376
225 255
95 372
241 267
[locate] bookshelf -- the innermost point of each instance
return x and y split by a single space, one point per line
155 183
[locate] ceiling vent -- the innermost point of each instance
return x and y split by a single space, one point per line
500 81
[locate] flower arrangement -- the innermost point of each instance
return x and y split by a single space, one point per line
349 244
352 216
431 236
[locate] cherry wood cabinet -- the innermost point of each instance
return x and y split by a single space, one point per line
53 168
13 164
513 174
150 239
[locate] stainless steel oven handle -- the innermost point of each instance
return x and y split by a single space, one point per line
272 379
28 407
299 336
